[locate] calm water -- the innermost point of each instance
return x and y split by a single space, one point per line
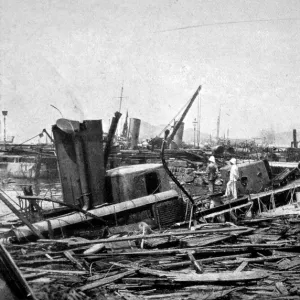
12 187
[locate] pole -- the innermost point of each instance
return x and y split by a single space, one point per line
198 107
4 135
195 124
218 125
4 113
120 107
121 97
195 138
199 120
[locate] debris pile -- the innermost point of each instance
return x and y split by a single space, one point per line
259 259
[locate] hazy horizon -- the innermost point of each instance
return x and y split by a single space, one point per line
76 56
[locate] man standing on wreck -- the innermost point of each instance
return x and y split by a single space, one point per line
231 189
212 171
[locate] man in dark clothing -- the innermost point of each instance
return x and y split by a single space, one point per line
212 173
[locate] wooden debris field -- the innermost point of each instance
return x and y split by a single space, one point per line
259 259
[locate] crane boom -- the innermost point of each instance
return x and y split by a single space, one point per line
177 125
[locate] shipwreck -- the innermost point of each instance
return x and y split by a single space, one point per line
136 232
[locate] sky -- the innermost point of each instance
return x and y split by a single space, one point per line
76 55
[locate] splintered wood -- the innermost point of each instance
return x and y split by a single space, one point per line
216 261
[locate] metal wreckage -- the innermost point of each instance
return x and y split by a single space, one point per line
137 232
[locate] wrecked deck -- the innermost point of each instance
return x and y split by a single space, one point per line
259 259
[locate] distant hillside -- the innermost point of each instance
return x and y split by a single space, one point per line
149 131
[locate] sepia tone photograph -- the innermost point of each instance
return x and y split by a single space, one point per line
149 149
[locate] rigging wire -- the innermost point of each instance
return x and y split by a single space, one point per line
40 134
228 23
185 105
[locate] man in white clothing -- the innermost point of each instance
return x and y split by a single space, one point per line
231 189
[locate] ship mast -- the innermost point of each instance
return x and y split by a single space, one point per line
218 125
120 106
121 98
198 123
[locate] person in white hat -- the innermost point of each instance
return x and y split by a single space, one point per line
231 189
212 174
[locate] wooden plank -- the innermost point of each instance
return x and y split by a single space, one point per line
150 236
12 274
198 268
227 210
241 267
35 275
41 261
206 277
255 260
68 255
290 264
281 288
150 281
66 272
220 277
196 243
105 281
169 266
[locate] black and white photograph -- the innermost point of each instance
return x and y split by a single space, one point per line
149 149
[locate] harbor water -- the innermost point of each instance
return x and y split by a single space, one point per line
13 187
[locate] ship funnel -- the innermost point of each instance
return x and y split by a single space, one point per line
133 132
295 143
